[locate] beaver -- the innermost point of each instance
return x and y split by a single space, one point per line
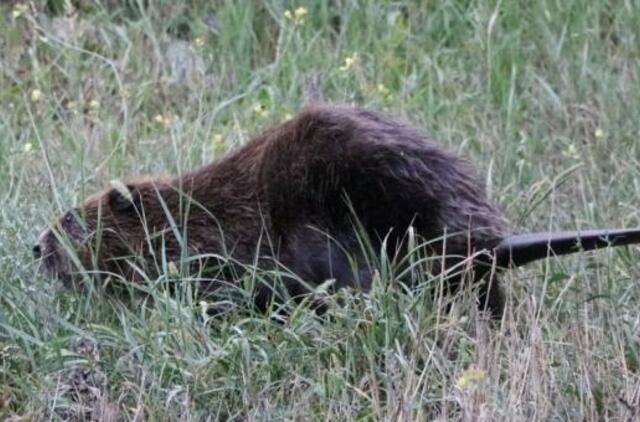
301 195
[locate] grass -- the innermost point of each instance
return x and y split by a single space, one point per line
542 96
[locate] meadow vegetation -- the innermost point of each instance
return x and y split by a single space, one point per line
542 96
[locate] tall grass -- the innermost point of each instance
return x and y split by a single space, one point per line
541 96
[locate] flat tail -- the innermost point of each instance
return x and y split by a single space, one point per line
520 249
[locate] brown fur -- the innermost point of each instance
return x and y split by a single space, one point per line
275 197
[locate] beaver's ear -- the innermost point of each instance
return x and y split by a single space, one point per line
123 197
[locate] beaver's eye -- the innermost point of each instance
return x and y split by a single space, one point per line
68 219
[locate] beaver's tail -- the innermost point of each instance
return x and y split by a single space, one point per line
520 249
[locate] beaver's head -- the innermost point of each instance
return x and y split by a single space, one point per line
109 231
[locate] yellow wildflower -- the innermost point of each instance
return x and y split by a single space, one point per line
36 95
199 42
94 104
471 376
297 16
162 120
348 62
218 143
572 152
599 133
217 140
300 12
384 91
28 147
261 110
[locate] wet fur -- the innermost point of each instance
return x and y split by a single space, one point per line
283 193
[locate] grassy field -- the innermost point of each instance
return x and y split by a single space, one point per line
543 96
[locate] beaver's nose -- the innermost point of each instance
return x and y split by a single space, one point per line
37 252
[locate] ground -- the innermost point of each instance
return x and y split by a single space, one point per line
542 96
